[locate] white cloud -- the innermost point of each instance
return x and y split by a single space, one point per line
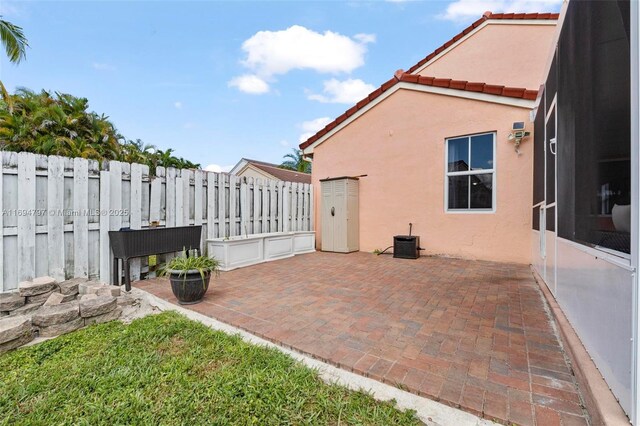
218 169
102 66
465 10
310 127
284 143
272 53
249 83
365 38
177 104
189 125
343 92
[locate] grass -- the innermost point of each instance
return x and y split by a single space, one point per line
166 369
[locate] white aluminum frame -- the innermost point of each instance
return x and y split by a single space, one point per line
635 204
492 171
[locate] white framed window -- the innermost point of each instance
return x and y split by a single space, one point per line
470 173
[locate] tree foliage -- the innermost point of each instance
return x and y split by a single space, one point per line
13 40
61 124
295 161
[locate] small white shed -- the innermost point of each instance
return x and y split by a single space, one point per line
340 225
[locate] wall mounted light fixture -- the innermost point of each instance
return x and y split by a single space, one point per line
518 133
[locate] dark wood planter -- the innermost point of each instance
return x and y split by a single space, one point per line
189 288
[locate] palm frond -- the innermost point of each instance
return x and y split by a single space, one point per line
14 41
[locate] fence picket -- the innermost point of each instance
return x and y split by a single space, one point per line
286 207
222 210
80 218
186 196
233 218
179 200
55 219
135 214
170 199
211 205
257 200
264 200
155 199
105 258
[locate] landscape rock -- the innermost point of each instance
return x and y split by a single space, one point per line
40 298
71 286
58 329
98 306
16 343
109 316
88 296
25 310
89 287
126 300
54 299
4 314
11 301
13 328
39 285
57 314
109 290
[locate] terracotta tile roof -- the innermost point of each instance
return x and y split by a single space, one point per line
485 17
282 174
400 75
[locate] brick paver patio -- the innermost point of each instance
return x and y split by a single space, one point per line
469 334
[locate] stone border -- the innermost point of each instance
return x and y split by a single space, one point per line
43 308
430 412
601 404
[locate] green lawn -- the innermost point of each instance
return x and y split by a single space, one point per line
166 369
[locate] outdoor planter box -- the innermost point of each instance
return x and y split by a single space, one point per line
236 252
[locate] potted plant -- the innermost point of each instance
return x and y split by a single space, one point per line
190 276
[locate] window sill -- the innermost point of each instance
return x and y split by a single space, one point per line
475 211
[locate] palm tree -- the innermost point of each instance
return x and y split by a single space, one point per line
60 124
13 40
295 161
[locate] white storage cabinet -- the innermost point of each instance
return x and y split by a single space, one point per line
340 224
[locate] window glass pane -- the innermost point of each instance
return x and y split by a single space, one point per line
482 152
458 154
458 192
482 191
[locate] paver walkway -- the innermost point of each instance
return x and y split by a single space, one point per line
469 334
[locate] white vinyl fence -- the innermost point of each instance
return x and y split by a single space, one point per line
57 211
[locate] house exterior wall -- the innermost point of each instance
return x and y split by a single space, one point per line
255 173
506 54
400 145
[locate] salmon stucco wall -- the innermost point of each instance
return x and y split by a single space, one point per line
400 145
506 54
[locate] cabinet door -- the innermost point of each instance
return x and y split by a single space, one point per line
340 223
327 217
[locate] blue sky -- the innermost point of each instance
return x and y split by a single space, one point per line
218 80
